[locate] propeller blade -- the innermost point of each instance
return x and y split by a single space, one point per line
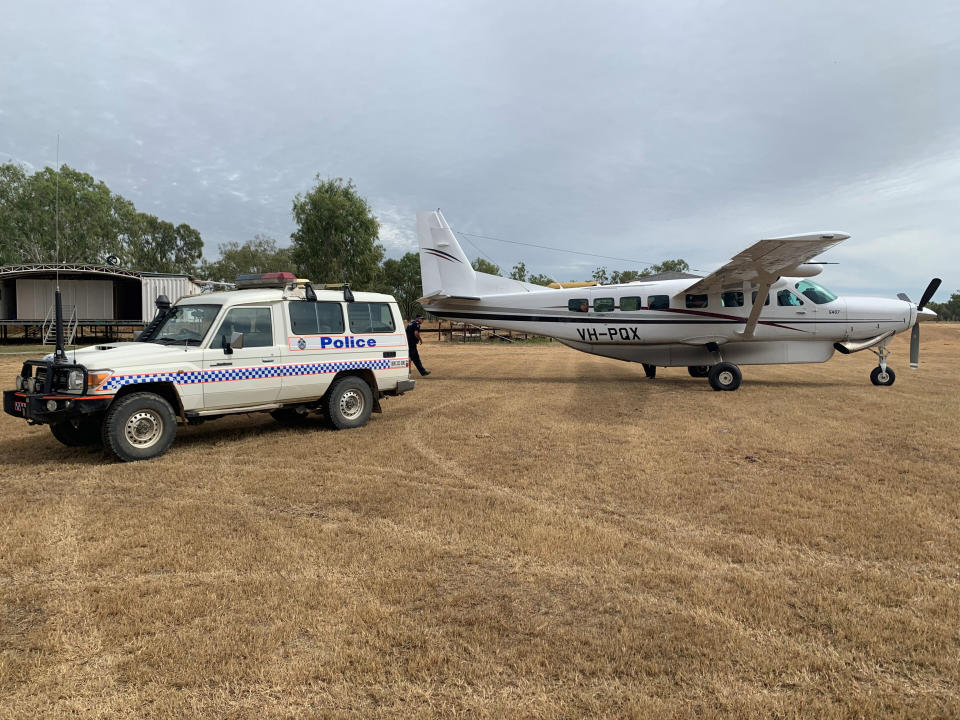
928 293
904 297
915 347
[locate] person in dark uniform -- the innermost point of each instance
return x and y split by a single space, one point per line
414 339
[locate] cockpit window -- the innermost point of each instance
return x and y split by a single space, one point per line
818 293
785 298
186 325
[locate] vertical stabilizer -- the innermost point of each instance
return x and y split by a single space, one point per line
444 267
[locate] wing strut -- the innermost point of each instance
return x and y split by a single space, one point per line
762 292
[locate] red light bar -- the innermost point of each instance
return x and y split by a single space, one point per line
265 280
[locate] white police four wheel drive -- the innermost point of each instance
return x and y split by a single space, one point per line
272 346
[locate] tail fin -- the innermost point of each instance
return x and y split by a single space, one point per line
444 267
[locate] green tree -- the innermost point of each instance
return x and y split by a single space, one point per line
401 278
93 223
485 266
336 235
600 275
258 255
540 279
670 266
519 272
949 310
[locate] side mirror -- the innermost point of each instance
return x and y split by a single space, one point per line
236 341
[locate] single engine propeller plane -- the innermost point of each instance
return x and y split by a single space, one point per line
760 308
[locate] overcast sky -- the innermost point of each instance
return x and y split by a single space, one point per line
638 130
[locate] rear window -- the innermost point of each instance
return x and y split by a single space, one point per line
578 305
696 301
658 302
603 304
630 304
316 318
733 298
370 317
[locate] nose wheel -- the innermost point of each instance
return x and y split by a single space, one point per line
882 375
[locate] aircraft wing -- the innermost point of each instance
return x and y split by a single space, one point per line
767 260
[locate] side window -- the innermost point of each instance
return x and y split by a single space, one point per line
578 305
370 317
603 304
658 302
630 304
754 298
315 318
788 299
696 301
731 299
254 323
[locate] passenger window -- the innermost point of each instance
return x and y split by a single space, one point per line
370 317
315 318
731 299
786 298
603 305
696 301
754 298
630 304
578 305
658 302
254 323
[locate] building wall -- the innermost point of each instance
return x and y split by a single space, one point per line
93 298
173 287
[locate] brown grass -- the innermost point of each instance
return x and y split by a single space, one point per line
533 532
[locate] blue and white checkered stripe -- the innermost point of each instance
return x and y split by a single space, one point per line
257 372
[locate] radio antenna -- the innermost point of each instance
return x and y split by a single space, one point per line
59 355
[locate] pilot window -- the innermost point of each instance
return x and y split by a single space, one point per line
696 301
370 317
254 323
754 298
731 299
785 298
658 302
816 292
578 305
316 318
630 304
603 304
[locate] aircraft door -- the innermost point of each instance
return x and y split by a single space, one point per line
795 311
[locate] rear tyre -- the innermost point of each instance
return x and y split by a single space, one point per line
650 370
289 417
79 432
883 378
139 426
725 376
349 403
698 371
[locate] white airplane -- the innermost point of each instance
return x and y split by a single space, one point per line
760 308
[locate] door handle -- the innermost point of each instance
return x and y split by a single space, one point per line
223 364
801 312
266 360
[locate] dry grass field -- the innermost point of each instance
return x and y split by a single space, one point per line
533 532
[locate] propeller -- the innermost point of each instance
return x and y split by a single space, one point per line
915 333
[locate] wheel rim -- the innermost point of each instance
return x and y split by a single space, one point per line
143 429
883 377
351 404
725 377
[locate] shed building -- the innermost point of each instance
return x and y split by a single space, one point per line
101 299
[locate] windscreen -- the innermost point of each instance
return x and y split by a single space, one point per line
186 325
815 292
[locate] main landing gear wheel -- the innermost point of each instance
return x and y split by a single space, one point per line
883 376
725 376
650 370
698 371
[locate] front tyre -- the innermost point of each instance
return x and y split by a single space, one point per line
698 371
725 376
79 432
139 426
882 377
349 403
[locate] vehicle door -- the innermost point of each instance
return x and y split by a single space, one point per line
313 346
249 375
377 341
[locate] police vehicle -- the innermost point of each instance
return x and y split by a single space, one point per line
272 345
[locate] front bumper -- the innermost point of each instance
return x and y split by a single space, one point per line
33 406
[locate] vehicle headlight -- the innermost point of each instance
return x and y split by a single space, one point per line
96 378
19 382
75 380
29 384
